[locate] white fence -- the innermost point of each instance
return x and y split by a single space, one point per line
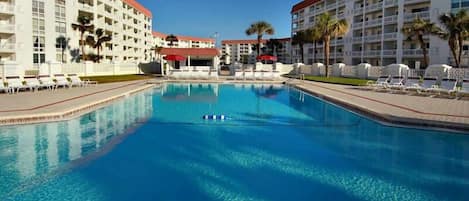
366 71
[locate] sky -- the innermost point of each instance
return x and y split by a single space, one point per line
230 18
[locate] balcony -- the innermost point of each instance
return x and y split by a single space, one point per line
389 3
357 25
7 28
390 19
373 38
372 53
356 53
374 7
6 8
415 1
7 48
411 16
375 22
331 6
390 36
357 39
85 7
391 53
358 11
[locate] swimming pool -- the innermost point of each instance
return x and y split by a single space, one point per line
276 144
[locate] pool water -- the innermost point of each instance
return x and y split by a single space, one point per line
277 144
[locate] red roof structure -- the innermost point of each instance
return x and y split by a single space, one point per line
191 51
139 7
303 4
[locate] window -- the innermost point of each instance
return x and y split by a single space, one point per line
60 27
39 58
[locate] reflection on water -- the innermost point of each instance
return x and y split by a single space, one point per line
31 151
190 92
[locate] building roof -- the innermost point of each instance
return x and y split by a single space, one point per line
191 51
139 7
232 42
284 39
184 38
303 4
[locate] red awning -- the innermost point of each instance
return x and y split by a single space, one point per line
267 58
174 58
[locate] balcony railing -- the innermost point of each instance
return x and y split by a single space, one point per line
389 52
85 7
357 25
7 28
357 39
390 3
358 11
7 8
7 47
390 36
374 7
331 6
371 38
425 15
372 53
356 53
414 1
390 19
374 22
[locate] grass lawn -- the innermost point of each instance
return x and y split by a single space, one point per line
117 78
337 80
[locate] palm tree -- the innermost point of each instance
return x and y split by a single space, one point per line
455 30
330 27
416 30
63 43
314 35
171 39
97 41
84 25
260 28
157 49
274 45
300 38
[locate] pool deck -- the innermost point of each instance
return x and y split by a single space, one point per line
63 104
392 108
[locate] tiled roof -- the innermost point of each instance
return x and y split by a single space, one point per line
303 4
190 51
139 7
159 34
232 42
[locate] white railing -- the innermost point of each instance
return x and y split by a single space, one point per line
373 37
390 19
374 22
331 6
372 53
390 36
390 3
349 71
7 47
375 71
389 52
74 68
425 15
7 8
357 24
373 7
8 28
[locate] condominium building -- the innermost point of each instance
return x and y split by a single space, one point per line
183 41
40 31
244 51
374 30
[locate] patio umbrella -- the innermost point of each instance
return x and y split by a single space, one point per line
174 58
266 58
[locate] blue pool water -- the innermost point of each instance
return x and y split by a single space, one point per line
278 144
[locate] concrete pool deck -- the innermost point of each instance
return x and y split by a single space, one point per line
63 104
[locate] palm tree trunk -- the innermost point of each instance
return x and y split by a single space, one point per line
302 53
315 53
63 53
424 50
98 48
452 47
259 39
461 45
326 54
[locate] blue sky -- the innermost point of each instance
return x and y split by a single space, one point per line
230 18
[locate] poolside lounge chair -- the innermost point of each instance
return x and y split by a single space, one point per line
61 80
46 81
15 83
410 82
76 81
3 87
258 75
213 74
464 91
428 83
446 86
268 75
396 82
32 83
249 75
381 82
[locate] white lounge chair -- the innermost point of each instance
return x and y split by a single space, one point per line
464 91
213 74
428 82
46 81
3 87
32 83
268 75
396 82
381 82
446 86
15 83
77 81
411 82
258 75
276 74
61 80
249 75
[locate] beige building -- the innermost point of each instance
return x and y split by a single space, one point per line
183 41
374 30
244 51
33 32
